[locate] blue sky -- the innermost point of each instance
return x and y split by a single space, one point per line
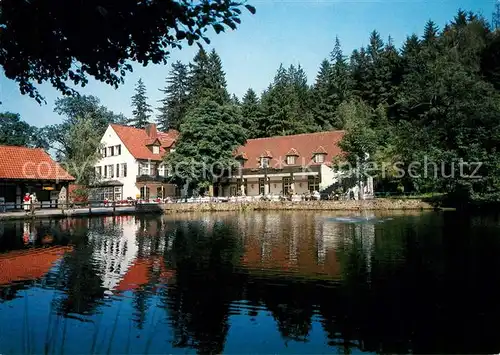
289 32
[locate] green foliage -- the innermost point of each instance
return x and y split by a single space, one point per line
175 102
209 135
67 49
13 131
85 153
73 108
251 114
141 108
286 104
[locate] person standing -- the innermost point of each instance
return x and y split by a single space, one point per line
27 202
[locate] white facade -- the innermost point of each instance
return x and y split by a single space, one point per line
111 139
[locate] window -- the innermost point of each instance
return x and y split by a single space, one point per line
105 171
160 192
264 162
262 188
290 159
287 184
111 151
108 193
118 193
103 152
313 183
117 170
124 170
156 149
118 149
319 158
144 193
111 171
143 169
98 171
161 170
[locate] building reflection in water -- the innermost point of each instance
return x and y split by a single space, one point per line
212 283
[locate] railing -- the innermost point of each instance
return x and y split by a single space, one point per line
155 178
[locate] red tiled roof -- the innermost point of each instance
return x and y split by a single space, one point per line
30 163
29 264
136 141
305 145
320 150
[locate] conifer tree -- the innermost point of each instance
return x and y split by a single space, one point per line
141 109
323 109
431 32
340 79
175 102
217 78
251 115
199 77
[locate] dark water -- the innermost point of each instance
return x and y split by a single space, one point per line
251 283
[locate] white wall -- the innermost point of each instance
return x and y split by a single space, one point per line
328 177
110 138
301 189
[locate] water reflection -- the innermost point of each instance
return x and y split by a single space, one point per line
259 282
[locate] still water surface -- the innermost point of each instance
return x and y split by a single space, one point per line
289 282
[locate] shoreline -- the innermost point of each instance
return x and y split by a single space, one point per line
350 205
172 208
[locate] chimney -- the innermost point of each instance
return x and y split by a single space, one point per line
151 130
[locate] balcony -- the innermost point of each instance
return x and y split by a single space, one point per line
151 178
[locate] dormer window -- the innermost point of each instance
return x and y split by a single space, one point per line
319 158
291 156
319 154
156 149
265 159
241 158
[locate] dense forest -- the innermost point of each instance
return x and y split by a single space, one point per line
424 117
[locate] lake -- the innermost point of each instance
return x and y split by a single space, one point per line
273 282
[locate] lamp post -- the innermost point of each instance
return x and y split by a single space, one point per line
266 183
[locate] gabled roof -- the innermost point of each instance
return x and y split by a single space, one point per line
320 150
293 152
304 145
31 164
136 141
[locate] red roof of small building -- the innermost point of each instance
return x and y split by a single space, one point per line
30 163
136 140
303 146
29 264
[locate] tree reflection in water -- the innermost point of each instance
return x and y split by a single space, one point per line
426 284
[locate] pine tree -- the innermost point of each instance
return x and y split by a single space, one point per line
235 100
323 109
340 79
175 102
376 46
251 115
218 78
359 68
199 77
286 104
431 32
141 107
